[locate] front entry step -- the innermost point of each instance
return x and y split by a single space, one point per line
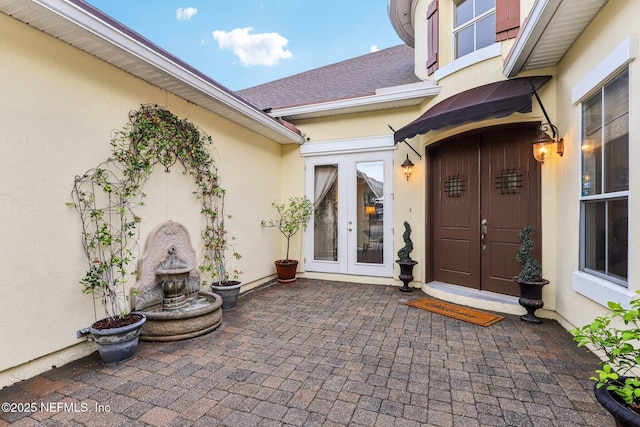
483 300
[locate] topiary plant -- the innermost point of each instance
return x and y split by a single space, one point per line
404 254
531 268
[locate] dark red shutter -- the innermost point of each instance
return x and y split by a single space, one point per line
507 19
432 37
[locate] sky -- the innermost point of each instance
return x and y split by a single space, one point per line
244 43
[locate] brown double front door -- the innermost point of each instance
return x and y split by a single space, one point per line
484 188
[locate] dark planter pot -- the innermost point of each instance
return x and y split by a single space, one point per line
229 293
406 274
286 270
623 415
531 299
118 345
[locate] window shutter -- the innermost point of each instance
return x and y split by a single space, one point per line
432 37
507 19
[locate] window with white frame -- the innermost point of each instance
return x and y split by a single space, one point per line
474 25
604 203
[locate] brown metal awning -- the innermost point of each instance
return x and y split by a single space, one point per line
498 99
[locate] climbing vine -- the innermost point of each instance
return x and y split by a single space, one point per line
107 196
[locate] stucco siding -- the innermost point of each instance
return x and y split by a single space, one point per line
58 108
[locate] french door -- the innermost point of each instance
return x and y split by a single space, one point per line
351 229
485 189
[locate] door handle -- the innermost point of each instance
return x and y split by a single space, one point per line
483 233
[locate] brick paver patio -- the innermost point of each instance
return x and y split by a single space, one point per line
318 353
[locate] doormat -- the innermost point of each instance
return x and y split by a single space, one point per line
467 314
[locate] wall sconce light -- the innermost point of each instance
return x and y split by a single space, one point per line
407 168
370 210
543 145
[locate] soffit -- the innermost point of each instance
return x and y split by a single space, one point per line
401 15
549 31
86 28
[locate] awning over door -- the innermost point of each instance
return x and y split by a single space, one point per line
497 99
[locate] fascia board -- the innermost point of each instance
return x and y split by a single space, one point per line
75 14
352 103
530 33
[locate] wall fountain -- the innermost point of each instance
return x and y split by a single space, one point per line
167 289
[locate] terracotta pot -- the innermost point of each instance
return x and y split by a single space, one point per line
286 270
623 415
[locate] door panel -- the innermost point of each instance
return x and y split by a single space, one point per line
455 173
509 202
484 188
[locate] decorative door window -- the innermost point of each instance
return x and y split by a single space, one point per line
509 181
454 186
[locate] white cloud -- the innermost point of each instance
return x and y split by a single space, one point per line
373 48
186 13
254 49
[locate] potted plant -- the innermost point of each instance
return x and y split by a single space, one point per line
530 278
616 387
225 281
291 217
109 231
404 259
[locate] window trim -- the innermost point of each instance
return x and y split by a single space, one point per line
488 52
472 22
609 67
592 286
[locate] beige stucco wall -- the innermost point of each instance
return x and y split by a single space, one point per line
408 201
616 21
58 107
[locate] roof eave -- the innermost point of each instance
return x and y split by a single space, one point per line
386 98
530 32
63 19
546 20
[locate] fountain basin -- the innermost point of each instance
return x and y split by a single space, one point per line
200 315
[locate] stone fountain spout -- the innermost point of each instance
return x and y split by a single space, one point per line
173 273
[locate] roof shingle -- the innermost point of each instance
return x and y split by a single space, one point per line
353 78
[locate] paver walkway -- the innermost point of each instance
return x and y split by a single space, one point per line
318 353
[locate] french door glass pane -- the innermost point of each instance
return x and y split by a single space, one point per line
370 212
325 218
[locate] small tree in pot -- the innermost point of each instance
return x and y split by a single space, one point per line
617 385
530 278
291 217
